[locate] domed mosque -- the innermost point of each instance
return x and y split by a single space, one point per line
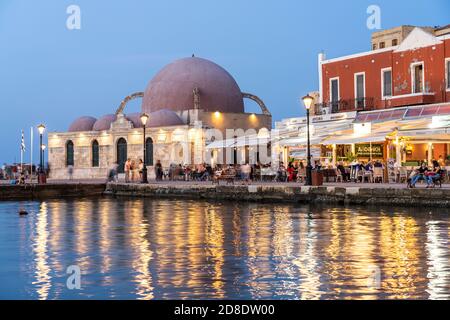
183 100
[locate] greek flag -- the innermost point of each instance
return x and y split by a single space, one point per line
22 146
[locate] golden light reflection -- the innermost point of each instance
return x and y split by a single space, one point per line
259 226
195 241
82 216
215 251
400 252
307 261
137 232
106 221
42 269
361 249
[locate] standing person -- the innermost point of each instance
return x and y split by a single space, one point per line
133 170
70 172
158 171
141 169
245 172
127 168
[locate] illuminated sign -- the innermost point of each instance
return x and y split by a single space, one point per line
367 150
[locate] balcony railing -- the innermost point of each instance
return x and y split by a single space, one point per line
347 105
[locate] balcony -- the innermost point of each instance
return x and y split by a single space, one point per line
347 105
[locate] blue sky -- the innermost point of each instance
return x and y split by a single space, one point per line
53 75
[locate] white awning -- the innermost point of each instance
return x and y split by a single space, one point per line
353 139
239 142
220 144
299 141
251 141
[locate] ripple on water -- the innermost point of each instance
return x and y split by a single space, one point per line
162 249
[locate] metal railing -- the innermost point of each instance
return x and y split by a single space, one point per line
345 105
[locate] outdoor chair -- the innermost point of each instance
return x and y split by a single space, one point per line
378 174
366 174
402 174
339 176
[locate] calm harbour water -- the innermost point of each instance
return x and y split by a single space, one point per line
179 249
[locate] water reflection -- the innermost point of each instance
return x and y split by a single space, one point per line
42 280
158 249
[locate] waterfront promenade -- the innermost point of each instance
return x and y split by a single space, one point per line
329 193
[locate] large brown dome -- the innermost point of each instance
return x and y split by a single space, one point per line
172 88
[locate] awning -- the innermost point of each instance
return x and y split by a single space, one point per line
352 139
299 141
300 155
220 144
239 142
251 141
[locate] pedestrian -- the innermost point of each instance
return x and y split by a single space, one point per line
141 169
158 171
127 168
70 172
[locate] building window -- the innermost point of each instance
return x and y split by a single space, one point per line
394 42
417 77
121 154
359 90
386 82
149 152
69 153
447 64
382 45
95 154
334 94
374 46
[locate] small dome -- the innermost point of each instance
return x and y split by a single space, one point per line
160 118
164 118
104 123
82 124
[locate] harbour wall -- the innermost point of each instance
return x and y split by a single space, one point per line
292 194
47 191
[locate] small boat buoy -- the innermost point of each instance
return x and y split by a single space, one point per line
23 212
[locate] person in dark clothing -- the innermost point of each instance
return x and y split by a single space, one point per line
423 169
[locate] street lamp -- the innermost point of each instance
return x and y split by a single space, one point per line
144 119
307 101
41 173
43 153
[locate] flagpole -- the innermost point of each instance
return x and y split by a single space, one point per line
21 153
31 154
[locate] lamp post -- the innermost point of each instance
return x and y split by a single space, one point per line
43 155
307 101
144 119
41 174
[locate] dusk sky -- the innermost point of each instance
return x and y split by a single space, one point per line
53 75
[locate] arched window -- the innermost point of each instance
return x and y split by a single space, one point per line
69 153
121 154
95 154
149 152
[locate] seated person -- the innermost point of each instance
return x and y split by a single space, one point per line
281 173
420 174
433 174
344 173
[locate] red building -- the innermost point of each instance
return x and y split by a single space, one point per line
414 72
